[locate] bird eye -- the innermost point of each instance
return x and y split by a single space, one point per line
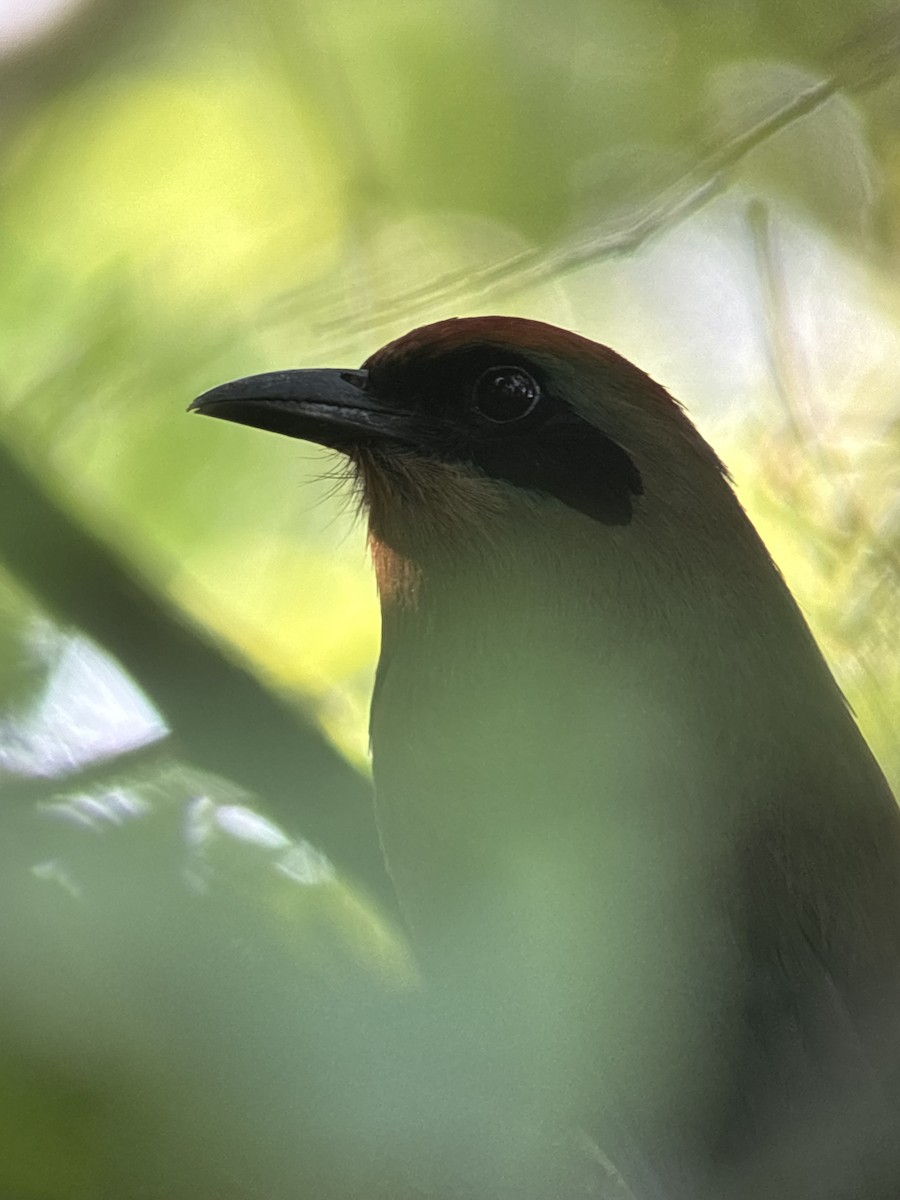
505 394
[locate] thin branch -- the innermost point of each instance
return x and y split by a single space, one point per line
863 61
223 720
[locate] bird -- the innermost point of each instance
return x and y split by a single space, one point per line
649 865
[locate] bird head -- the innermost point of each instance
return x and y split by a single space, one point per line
460 430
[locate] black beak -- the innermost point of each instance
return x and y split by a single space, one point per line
331 407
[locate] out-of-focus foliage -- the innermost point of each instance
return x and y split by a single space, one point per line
196 1001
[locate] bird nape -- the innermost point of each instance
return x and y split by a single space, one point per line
649 865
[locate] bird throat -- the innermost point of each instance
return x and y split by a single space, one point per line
398 577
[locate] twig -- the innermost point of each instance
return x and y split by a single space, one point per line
863 61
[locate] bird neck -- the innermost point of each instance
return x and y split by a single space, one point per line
684 584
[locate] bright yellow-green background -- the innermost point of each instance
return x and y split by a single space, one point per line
198 190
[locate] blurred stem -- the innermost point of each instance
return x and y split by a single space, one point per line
223 720
845 534
781 345
305 33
